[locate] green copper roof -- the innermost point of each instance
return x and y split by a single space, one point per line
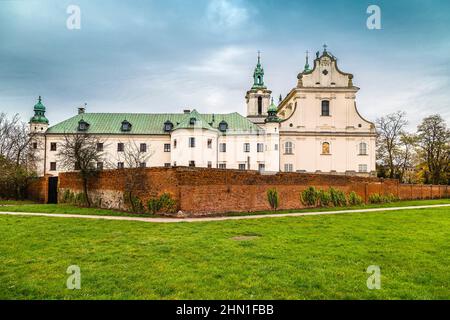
39 113
272 113
258 75
110 123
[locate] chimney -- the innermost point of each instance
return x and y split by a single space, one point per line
186 111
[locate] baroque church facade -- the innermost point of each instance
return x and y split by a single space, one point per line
316 128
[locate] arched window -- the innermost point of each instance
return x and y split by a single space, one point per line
223 126
326 148
325 108
260 105
288 147
363 148
126 126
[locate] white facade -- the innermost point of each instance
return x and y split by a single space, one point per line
316 128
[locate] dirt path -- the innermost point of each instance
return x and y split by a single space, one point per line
176 220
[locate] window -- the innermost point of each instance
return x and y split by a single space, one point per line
288 147
260 105
143 165
223 147
83 125
143 147
53 146
362 168
52 166
276 147
120 165
168 126
209 143
174 163
167 147
260 147
209 164
261 167
99 147
100 166
126 126
326 148
120 147
242 166
175 143
246 147
167 165
192 121
325 108
288 167
222 165
191 142
223 126
191 163
34 145
363 149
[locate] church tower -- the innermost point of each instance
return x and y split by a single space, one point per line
258 97
39 123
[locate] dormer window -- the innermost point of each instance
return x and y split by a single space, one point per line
223 126
126 126
192 121
83 125
168 126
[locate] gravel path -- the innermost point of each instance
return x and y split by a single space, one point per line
176 220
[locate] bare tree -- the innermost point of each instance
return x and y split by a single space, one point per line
406 156
434 141
390 130
134 158
81 152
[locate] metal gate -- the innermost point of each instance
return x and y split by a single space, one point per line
53 190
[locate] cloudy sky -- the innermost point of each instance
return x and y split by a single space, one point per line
164 56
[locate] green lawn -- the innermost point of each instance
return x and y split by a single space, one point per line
314 257
15 202
70 209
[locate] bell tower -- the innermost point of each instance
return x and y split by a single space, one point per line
258 97
39 123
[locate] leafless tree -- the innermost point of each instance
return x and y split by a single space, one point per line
405 157
390 130
434 141
80 152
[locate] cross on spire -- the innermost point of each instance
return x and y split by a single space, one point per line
259 57
325 48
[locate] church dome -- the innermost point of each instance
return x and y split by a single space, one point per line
39 113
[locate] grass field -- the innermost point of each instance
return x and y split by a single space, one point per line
314 257
70 209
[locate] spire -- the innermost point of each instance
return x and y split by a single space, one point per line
272 113
39 112
281 98
307 68
325 48
258 75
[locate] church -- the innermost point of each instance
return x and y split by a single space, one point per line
316 128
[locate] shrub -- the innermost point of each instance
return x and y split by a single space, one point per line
377 198
324 198
273 198
168 204
309 197
134 202
338 197
354 199
154 205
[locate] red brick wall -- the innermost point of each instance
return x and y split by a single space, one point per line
37 190
209 191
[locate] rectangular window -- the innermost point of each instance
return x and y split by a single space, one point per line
167 165
167 147
143 165
52 166
362 149
325 108
175 143
260 147
223 147
143 147
100 147
34 145
276 147
288 167
222 165
261 167
209 164
120 147
242 166
99 165
120 165
191 142
209 143
362 168
246 147
191 163
53 146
